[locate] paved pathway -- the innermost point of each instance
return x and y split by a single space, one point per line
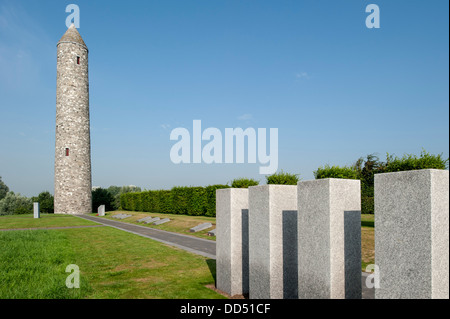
46 228
196 245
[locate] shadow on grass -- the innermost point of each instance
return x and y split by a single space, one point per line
367 223
212 268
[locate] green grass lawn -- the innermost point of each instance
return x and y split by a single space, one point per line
367 240
178 223
33 263
46 220
113 264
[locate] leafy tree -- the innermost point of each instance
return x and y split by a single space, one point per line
46 202
15 204
3 189
116 191
244 182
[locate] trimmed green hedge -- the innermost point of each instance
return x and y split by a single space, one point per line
193 201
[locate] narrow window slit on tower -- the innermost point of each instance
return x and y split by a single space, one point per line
78 60
67 151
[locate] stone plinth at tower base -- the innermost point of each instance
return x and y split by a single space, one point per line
232 240
329 239
272 242
412 234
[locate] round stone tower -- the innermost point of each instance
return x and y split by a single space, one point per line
73 144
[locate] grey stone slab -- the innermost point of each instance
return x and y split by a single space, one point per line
329 239
412 234
123 216
232 270
152 220
200 227
101 210
271 262
212 232
161 221
36 210
144 219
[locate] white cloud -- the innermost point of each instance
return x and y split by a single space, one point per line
302 75
165 126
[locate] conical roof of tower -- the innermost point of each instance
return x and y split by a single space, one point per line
73 36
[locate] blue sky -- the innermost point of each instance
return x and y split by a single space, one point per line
335 89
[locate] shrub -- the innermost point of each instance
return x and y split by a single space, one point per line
412 162
244 182
283 179
46 202
336 172
15 204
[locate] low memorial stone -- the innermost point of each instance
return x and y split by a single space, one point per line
151 220
161 221
36 211
101 210
123 216
212 232
200 227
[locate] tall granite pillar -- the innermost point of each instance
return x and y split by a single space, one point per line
329 239
412 234
232 240
272 250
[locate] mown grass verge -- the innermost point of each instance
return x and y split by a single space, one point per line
113 264
46 220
